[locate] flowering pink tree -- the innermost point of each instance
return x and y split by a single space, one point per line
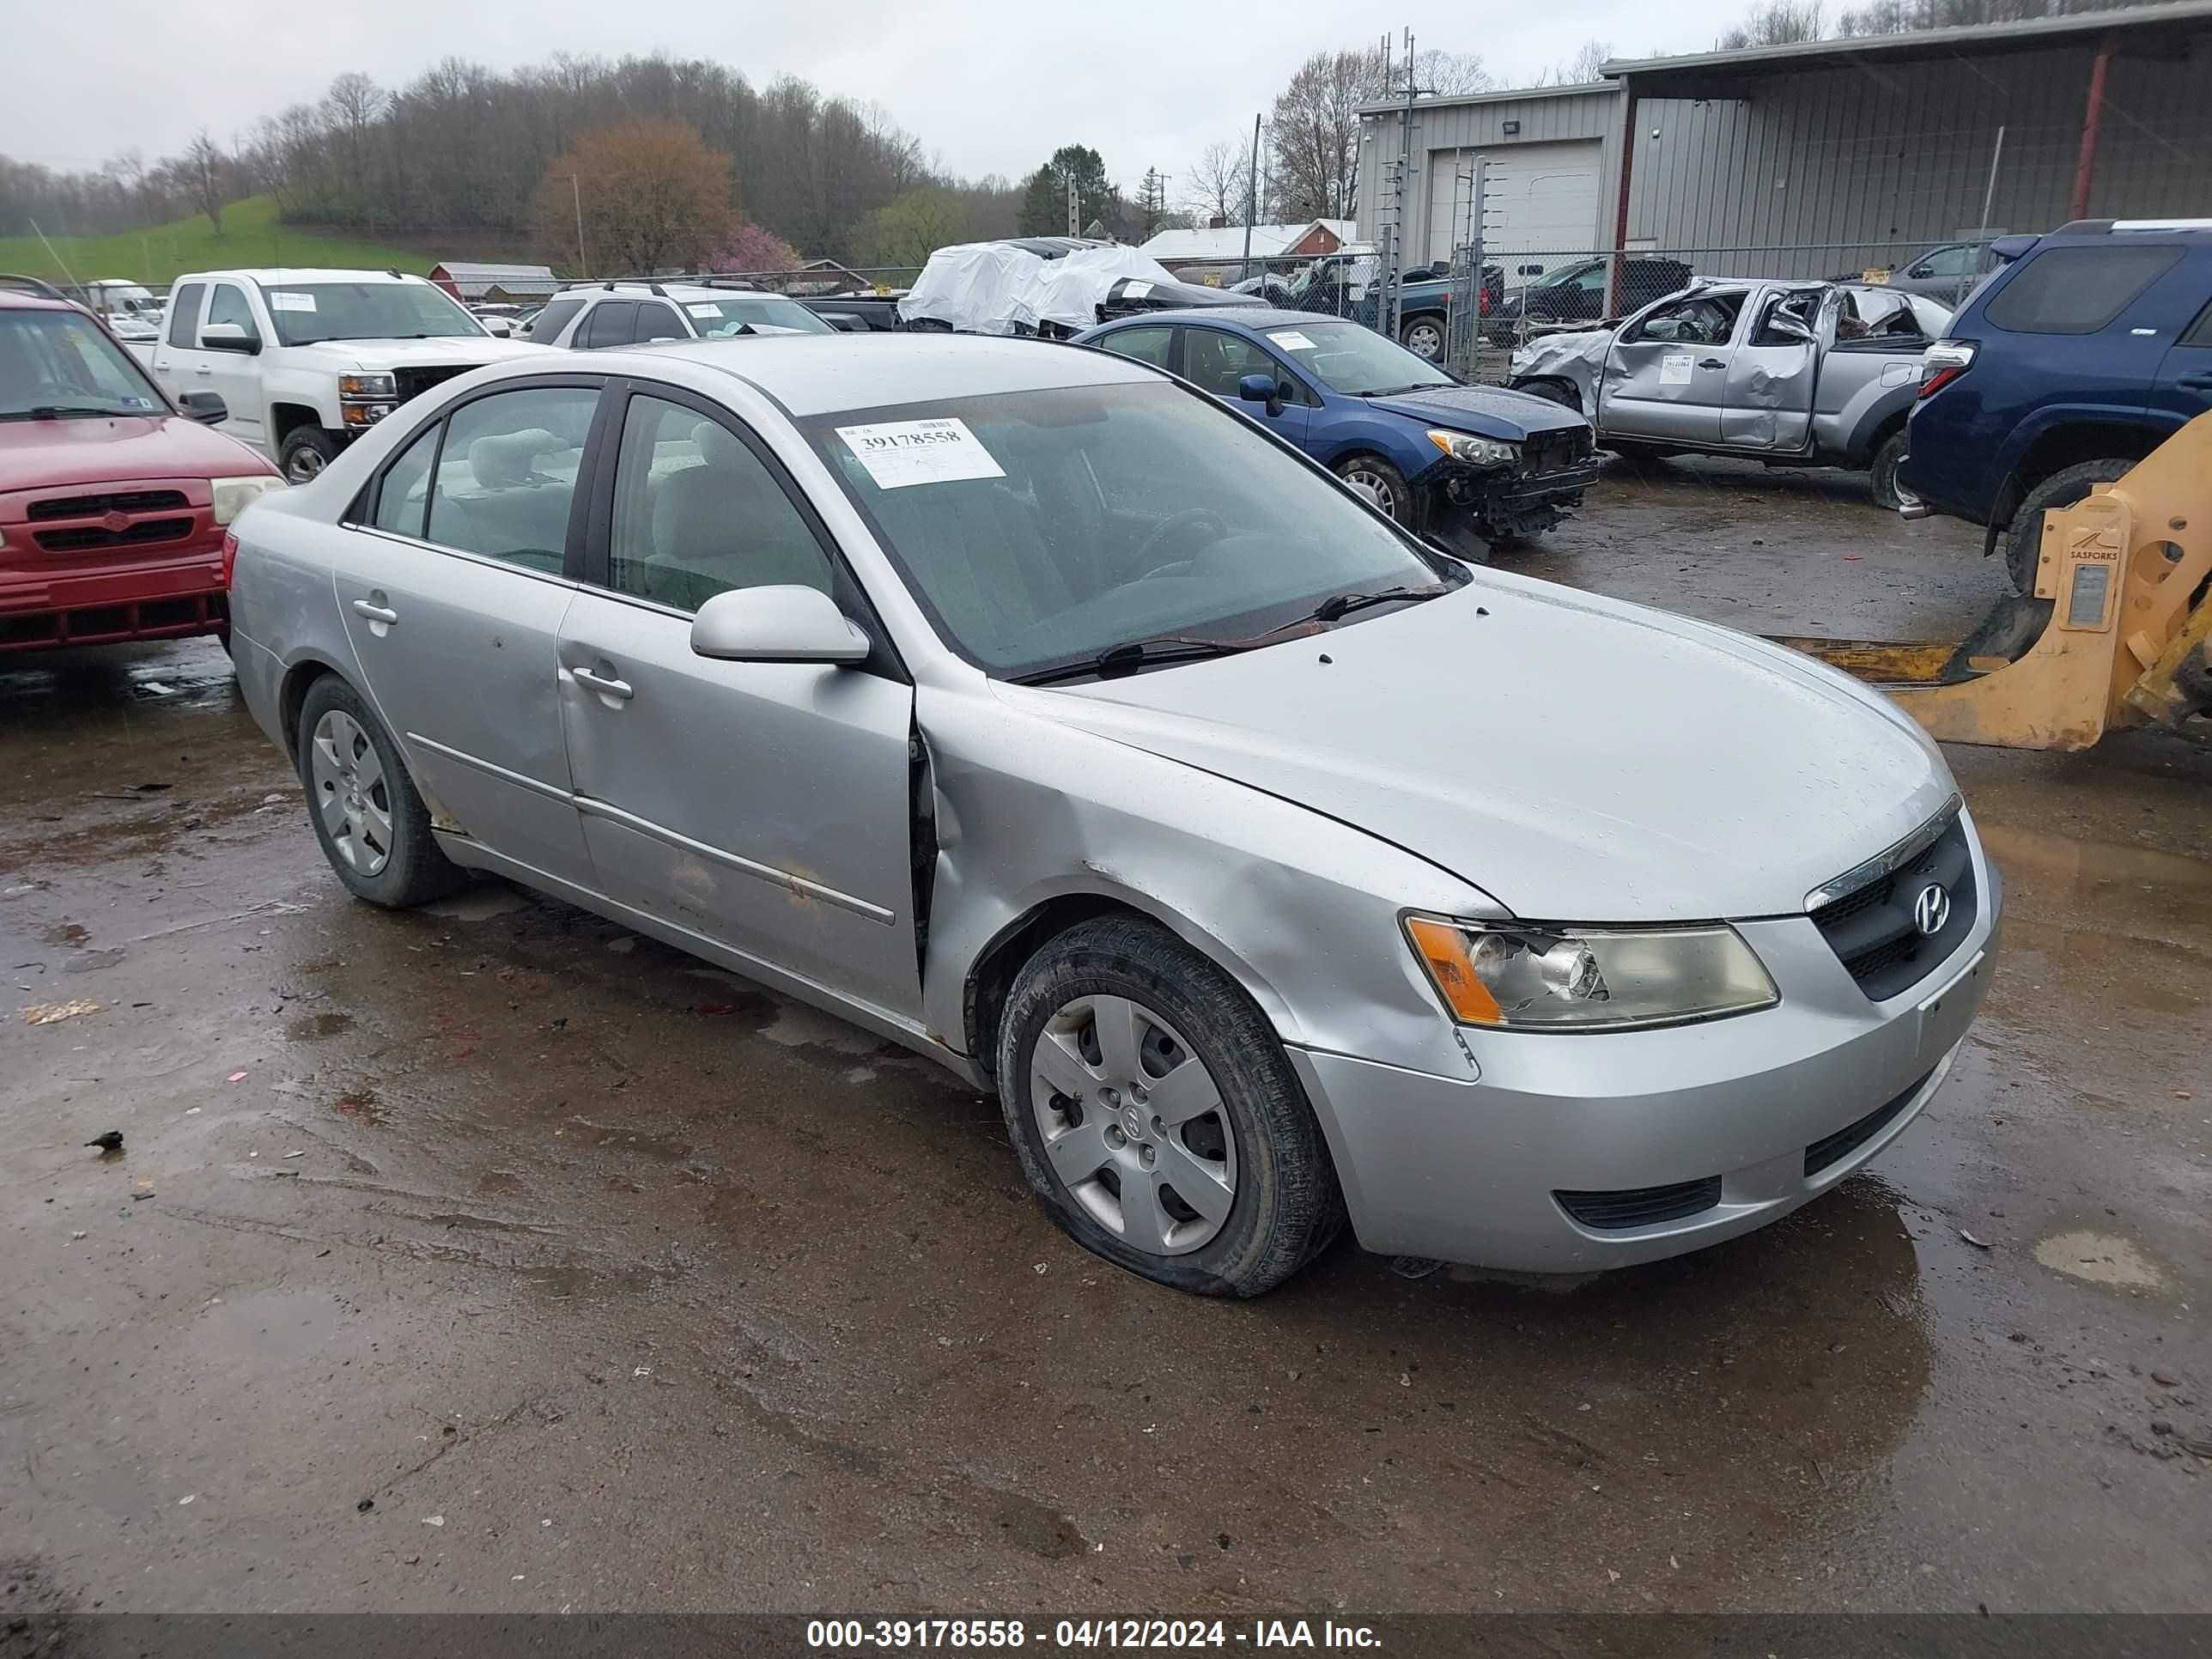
753 247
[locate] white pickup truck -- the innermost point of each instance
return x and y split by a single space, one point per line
306 359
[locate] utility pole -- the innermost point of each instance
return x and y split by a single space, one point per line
1252 199
1074 207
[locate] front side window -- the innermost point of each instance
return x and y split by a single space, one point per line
2078 290
1218 361
1708 319
1143 345
57 365
184 313
507 474
305 313
697 513
656 321
1039 529
229 305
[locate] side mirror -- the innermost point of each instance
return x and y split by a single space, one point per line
1257 388
229 336
500 328
1789 328
786 623
206 407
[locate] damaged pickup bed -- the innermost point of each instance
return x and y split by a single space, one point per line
1792 373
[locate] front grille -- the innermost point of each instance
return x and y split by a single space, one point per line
91 506
1640 1206
1834 1149
86 538
1554 452
414 382
1872 929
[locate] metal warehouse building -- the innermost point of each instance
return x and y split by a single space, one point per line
1826 155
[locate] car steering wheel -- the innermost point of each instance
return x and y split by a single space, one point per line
1189 517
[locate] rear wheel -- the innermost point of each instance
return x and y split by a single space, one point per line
1424 336
1156 1116
371 822
2024 539
1881 474
306 453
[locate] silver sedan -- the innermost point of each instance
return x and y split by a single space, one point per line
1024 705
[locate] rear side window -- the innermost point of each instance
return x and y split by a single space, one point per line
2077 290
1144 345
546 326
610 324
184 313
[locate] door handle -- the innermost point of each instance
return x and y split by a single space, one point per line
202 368
605 684
375 613
1711 362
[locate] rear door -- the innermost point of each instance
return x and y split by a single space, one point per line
177 353
2183 390
764 806
451 585
1768 404
237 374
1666 376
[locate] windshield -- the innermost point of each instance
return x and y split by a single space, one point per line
307 312
732 314
1559 278
1042 528
64 361
1354 360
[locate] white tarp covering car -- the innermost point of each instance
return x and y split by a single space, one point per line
995 287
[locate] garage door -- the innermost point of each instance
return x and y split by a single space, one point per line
1541 204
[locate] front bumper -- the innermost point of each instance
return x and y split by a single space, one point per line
1708 1130
166 599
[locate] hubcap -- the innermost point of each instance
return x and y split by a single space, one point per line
1375 487
1423 341
304 464
1133 1124
351 795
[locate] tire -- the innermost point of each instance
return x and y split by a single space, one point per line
1881 474
2023 542
1380 482
306 453
343 745
1562 393
1255 1155
1424 336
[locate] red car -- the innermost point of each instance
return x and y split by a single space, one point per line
114 500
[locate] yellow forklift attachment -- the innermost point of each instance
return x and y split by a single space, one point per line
2124 614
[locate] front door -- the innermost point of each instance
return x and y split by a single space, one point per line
179 366
1667 374
236 374
1768 402
453 593
2183 390
764 806
1216 362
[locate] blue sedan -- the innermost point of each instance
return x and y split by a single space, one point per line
1464 465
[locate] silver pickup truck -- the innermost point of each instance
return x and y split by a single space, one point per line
1795 373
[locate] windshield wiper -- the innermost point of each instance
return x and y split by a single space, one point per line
1130 655
1337 606
58 411
1392 390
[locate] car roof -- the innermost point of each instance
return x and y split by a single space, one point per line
818 374
16 299
293 276
641 290
1259 317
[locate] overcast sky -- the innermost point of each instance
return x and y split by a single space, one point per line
989 86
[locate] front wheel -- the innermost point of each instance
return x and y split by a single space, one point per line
1156 1116
306 453
1380 482
1424 338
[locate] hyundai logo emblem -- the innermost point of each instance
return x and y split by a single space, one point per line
1931 910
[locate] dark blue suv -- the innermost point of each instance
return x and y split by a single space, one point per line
2079 356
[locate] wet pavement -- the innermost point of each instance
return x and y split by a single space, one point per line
493 1257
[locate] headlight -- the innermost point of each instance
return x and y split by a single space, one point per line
231 495
1511 977
368 388
1475 452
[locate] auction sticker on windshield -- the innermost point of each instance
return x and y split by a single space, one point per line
704 308
281 301
1291 340
901 452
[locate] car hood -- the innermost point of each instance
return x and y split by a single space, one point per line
1577 758
1488 411
105 449
354 356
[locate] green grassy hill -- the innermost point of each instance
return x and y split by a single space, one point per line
156 256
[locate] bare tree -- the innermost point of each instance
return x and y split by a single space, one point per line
1774 23
1315 133
1450 74
1582 68
1215 185
205 174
